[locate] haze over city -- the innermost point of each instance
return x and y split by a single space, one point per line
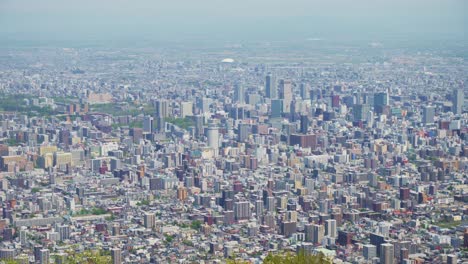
123 22
247 131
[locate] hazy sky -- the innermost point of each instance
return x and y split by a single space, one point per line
243 20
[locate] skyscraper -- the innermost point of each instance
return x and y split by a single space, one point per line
452 259
162 108
44 256
162 112
276 108
242 210
116 255
304 124
149 220
386 253
271 89
458 98
428 114
330 228
318 232
64 231
199 129
286 94
148 123
239 95
369 251
213 136
259 208
186 109
243 132
360 112
305 91
203 104
381 100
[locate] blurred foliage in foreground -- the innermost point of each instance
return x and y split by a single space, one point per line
73 257
290 258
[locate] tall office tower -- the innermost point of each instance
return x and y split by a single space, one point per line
330 228
360 112
387 253
137 134
370 118
162 112
458 98
452 259
203 104
259 208
239 93
254 99
315 94
64 137
148 123
369 99
293 110
318 233
288 228
358 98
335 101
242 210
304 124
282 201
243 132
182 193
37 251
198 120
116 255
23 236
44 256
271 89
428 114
186 109
276 108
369 251
162 108
270 203
149 220
404 254
64 231
286 93
381 100
213 136
309 232
305 91
377 240
115 164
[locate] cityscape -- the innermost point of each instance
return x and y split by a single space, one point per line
233 152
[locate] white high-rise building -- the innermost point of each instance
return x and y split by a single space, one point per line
239 95
387 254
286 93
330 228
213 137
186 109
